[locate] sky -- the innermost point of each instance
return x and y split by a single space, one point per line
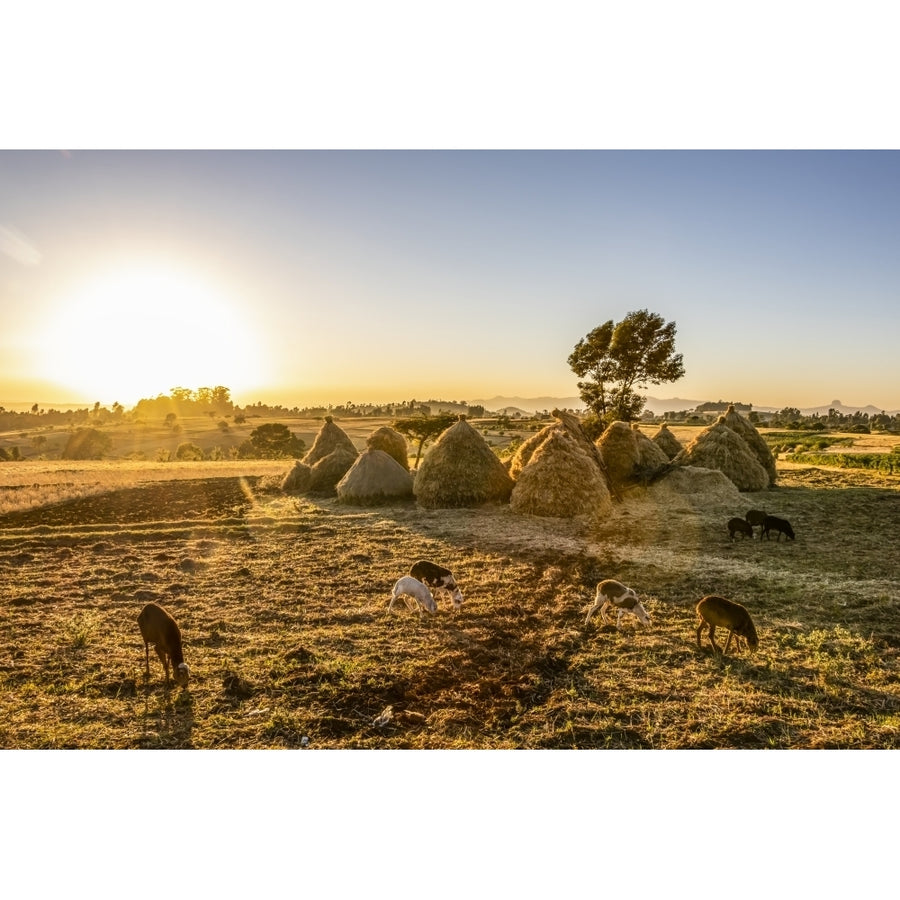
323 276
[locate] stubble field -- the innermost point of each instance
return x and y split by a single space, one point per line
282 603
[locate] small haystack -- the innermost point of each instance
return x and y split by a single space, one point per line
376 477
737 423
297 480
329 470
651 459
718 447
708 486
392 442
461 470
667 442
329 438
560 480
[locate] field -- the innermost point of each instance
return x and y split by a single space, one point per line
283 606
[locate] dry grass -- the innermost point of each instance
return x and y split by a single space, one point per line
283 608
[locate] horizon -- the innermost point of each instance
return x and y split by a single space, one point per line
326 275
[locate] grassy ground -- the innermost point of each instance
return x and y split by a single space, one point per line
282 603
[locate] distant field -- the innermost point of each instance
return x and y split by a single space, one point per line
282 602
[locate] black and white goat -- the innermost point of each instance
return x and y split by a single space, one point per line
624 599
438 579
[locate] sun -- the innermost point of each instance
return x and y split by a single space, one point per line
138 332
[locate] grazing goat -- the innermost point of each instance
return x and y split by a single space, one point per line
717 611
782 526
438 578
740 525
410 587
755 517
161 630
624 599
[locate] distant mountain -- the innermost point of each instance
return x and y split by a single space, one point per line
539 404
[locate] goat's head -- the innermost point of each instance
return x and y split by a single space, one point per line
181 674
457 597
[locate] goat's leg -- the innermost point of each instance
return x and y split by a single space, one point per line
147 655
700 628
597 604
619 618
728 642
712 638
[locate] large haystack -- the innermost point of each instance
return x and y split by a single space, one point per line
618 446
572 424
329 470
298 479
667 442
392 442
718 447
560 480
737 423
461 470
376 477
329 438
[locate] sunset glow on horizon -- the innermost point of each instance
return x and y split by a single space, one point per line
308 277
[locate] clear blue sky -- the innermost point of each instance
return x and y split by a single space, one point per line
325 276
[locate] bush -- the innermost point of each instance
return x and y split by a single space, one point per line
87 443
188 451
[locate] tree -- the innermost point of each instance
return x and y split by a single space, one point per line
87 443
616 359
423 428
275 441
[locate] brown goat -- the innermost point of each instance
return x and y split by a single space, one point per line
717 611
161 630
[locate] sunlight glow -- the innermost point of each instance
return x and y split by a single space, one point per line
139 332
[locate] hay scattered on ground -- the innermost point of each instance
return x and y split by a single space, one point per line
330 437
561 480
737 423
298 479
667 442
391 442
461 470
718 447
376 477
329 470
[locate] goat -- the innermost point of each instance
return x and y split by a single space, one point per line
614 593
740 525
782 526
717 611
161 630
438 578
755 517
410 587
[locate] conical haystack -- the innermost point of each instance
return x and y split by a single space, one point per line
461 470
376 477
298 479
718 447
560 480
737 423
651 458
329 438
667 442
329 470
392 442
572 424
618 446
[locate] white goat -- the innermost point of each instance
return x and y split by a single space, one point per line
410 587
624 599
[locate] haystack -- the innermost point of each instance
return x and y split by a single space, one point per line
461 470
706 486
329 470
667 442
651 459
392 442
618 446
718 447
572 424
376 477
737 423
329 438
560 480
297 480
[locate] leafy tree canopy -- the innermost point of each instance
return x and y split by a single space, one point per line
616 359
423 429
275 441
